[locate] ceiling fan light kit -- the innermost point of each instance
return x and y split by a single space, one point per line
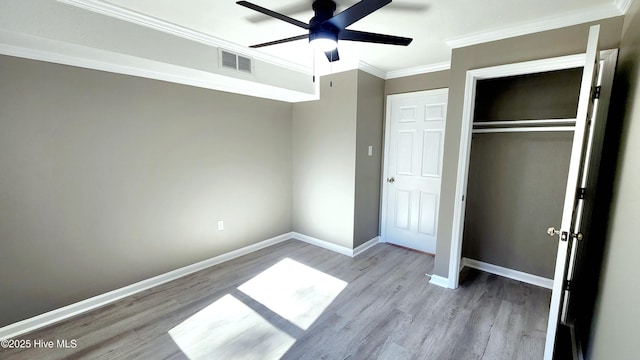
323 41
325 28
322 35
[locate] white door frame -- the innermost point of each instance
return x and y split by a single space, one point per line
529 67
523 68
385 157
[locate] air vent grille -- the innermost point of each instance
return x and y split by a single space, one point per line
231 61
244 64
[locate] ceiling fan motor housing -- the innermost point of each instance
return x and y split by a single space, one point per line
319 28
323 10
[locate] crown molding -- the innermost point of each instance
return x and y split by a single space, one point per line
37 48
548 23
368 68
348 65
385 75
623 5
418 70
137 18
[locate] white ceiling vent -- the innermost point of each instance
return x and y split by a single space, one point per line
235 62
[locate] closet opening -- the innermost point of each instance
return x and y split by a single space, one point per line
523 139
520 153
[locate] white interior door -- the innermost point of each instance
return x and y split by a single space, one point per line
576 168
413 168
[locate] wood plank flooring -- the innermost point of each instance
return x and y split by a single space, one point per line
380 306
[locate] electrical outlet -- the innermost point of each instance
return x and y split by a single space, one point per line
220 225
370 150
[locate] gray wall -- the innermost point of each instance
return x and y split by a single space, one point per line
428 81
336 185
368 168
565 41
517 181
617 315
516 188
108 180
324 161
548 95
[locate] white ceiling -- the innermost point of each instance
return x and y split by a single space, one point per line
435 25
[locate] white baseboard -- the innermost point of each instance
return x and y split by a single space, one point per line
323 244
48 318
439 281
336 248
366 246
509 273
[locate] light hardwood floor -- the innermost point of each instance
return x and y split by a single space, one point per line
378 305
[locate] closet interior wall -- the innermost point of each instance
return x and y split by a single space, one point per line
518 169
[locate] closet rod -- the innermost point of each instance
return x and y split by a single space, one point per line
524 129
525 122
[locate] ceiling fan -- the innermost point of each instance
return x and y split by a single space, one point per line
325 28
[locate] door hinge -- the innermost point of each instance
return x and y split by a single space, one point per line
581 193
568 285
596 92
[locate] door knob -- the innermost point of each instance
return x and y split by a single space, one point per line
552 231
391 180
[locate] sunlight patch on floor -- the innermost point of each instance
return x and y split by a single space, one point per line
229 329
233 327
296 292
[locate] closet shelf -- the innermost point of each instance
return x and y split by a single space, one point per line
483 127
526 122
524 129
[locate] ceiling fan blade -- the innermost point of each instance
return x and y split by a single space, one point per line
408 7
332 55
275 42
273 14
290 10
356 12
354 35
302 6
